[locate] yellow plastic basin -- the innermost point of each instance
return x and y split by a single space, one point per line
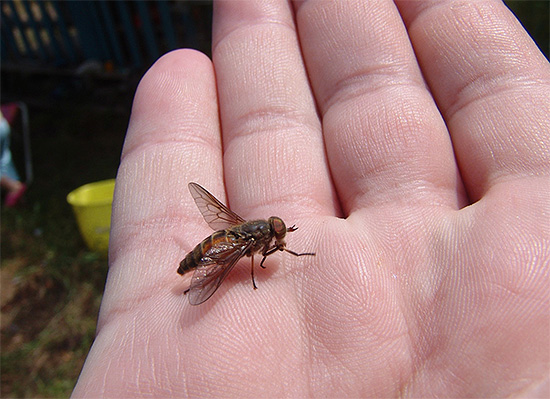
92 207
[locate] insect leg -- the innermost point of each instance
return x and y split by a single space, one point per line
281 248
252 271
267 253
295 254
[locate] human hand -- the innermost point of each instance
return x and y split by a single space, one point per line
410 145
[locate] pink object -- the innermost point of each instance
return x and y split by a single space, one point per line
12 199
10 112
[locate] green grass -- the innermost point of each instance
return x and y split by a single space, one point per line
51 284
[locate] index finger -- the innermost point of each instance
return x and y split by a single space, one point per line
173 138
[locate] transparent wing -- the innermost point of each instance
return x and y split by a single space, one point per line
216 214
213 269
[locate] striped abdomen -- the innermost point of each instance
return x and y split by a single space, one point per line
193 258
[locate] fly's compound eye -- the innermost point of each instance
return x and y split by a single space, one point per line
278 226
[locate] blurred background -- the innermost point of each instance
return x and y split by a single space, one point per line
69 70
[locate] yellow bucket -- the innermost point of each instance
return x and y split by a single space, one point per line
92 207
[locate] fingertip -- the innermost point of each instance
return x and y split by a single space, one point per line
178 88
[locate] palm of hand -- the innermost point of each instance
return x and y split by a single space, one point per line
414 293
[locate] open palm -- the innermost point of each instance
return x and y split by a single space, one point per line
409 143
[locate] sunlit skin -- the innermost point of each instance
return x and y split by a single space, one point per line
408 141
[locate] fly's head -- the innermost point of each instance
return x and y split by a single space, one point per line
279 230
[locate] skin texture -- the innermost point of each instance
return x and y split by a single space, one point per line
408 141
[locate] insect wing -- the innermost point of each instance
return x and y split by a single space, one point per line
211 272
216 214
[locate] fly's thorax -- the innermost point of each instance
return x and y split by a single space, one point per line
259 233
260 230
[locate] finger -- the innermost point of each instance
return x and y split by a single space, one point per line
173 138
491 84
386 141
274 152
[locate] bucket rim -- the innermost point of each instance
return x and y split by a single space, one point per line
73 201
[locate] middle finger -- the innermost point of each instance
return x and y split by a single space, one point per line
271 130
